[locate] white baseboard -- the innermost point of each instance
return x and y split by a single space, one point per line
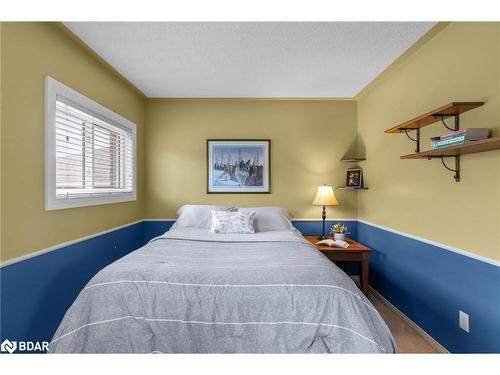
428 338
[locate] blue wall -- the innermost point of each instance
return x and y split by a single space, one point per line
430 284
36 292
154 228
427 283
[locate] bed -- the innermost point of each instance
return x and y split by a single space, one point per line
194 291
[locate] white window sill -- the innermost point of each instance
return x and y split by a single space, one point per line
73 202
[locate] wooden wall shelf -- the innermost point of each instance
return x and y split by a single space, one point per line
453 109
448 110
471 147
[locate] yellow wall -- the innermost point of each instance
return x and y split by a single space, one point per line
29 52
308 138
460 63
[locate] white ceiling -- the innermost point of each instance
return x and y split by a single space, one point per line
253 59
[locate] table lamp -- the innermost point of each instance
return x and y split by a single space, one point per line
324 197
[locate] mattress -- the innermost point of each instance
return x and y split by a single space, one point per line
193 291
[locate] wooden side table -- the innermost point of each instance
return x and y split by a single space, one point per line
356 252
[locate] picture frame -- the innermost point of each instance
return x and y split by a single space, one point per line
238 166
354 178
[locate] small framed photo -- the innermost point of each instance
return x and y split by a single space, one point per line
354 178
238 166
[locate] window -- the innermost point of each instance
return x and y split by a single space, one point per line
90 151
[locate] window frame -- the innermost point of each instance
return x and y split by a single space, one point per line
53 89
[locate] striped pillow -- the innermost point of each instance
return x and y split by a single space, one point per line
232 222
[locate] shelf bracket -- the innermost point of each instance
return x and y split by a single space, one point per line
416 140
456 176
456 127
457 120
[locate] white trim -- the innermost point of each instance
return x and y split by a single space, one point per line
436 345
64 244
159 219
53 89
437 244
445 247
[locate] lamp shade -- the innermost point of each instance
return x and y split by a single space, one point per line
325 197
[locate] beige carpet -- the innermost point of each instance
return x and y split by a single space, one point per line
407 338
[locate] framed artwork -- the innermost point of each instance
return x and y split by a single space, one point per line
238 166
354 178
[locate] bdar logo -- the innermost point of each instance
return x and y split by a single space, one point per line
8 346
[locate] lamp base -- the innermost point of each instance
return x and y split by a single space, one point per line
323 216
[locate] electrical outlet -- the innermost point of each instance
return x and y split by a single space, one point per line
463 320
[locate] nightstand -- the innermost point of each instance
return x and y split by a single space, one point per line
356 252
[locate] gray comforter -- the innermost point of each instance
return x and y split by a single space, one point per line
191 291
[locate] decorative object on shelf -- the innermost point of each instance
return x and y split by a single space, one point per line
354 178
324 197
455 150
356 187
339 231
238 166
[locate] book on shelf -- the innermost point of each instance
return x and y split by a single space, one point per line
470 134
459 137
447 142
434 141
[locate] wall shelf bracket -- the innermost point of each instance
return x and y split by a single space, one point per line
416 140
456 170
442 117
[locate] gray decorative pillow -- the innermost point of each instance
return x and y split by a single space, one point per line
232 222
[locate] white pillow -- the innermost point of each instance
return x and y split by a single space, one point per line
232 222
197 216
270 218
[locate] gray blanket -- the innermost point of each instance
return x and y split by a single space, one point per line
190 291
